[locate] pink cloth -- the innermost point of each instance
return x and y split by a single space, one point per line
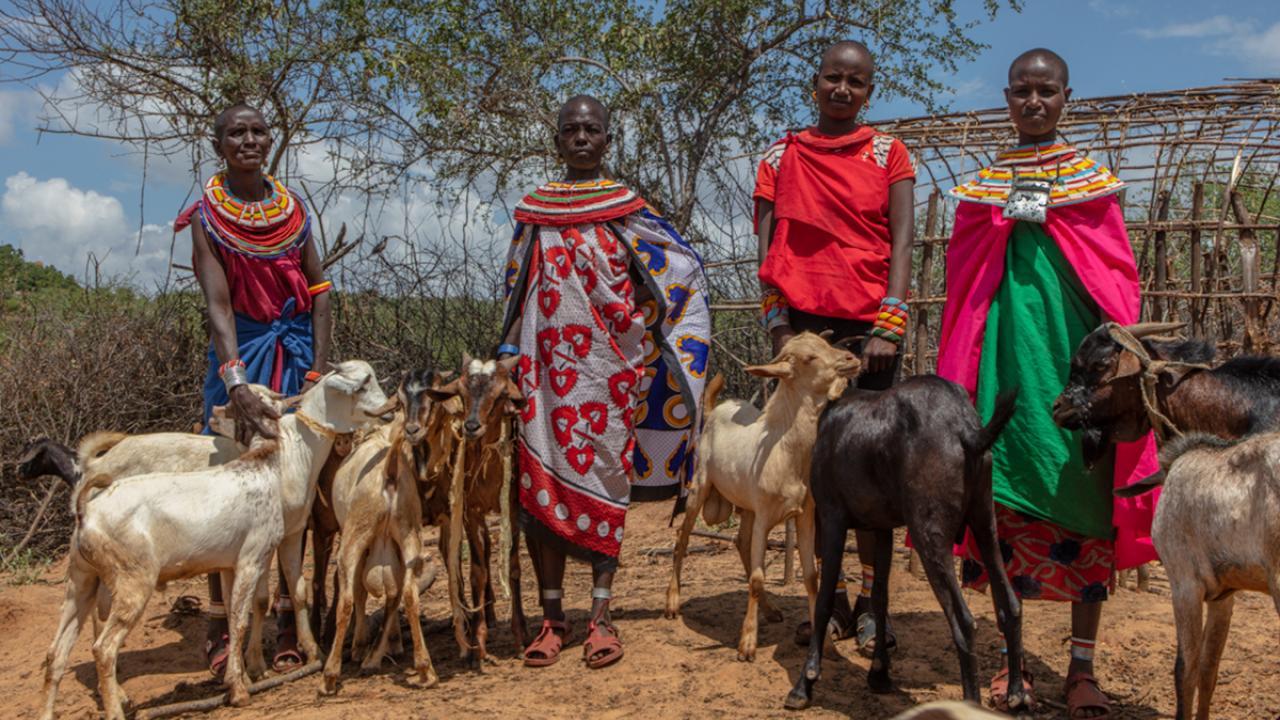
1093 239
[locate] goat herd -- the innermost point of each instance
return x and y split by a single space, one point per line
350 461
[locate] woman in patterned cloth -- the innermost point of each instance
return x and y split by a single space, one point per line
834 208
607 309
268 312
1038 258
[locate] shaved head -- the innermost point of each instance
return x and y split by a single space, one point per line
581 102
848 49
220 122
1040 58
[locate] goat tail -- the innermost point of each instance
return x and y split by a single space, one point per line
711 395
96 444
1006 403
101 480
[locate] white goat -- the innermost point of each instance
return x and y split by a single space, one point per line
144 531
758 460
1217 529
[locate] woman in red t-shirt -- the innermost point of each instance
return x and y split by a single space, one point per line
834 218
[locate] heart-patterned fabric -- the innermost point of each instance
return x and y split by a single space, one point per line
608 382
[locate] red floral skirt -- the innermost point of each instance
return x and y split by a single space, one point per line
1045 561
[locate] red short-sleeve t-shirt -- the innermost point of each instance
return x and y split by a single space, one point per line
830 250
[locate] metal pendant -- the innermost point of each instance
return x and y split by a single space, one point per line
1028 200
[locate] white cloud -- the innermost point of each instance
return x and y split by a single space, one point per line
63 226
1255 44
1209 27
17 111
1112 9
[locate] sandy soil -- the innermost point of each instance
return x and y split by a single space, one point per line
673 668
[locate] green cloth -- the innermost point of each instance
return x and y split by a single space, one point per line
1038 318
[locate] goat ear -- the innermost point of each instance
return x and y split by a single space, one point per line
442 376
227 411
1145 485
441 394
778 369
827 334
514 397
1147 329
34 448
392 404
466 361
509 364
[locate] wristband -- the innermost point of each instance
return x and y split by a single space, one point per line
774 311
312 376
234 376
320 288
891 321
508 349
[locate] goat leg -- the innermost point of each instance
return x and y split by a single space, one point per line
130 594
878 676
413 557
256 663
699 496
82 587
832 552
1188 617
750 624
935 556
982 523
350 553
290 554
1214 641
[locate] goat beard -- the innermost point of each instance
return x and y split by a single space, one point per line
1095 443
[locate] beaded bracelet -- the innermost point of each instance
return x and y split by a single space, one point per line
774 310
312 376
891 321
320 288
508 349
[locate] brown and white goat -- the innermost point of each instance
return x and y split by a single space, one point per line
758 461
915 455
472 480
375 498
141 532
1217 529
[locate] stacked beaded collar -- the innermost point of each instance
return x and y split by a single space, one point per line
560 203
264 229
1074 178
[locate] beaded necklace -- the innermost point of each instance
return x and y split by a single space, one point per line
266 228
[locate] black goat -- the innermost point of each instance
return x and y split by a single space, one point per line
43 456
914 455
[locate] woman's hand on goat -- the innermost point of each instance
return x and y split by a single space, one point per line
878 354
253 415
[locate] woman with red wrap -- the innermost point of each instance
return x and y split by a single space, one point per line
834 219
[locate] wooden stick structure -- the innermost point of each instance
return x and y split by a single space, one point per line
213 703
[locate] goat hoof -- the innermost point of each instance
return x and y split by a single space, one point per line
879 682
238 697
422 679
796 700
747 655
330 685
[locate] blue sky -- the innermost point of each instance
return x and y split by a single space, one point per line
63 197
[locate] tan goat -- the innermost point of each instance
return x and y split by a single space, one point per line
376 502
758 461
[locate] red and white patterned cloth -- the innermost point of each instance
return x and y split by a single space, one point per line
592 358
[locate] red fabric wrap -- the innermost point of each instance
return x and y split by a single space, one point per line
830 250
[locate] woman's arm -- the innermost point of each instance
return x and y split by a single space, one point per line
251 412
878 353
780 331
321 314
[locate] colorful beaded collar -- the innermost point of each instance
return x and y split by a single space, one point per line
267 228
1074 177
560 203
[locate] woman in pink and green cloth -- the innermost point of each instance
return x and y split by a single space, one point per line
1038 258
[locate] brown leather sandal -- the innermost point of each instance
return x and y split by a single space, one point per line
545 648
1082 693
1000 690
603 646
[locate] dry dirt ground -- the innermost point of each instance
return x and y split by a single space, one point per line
673 668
